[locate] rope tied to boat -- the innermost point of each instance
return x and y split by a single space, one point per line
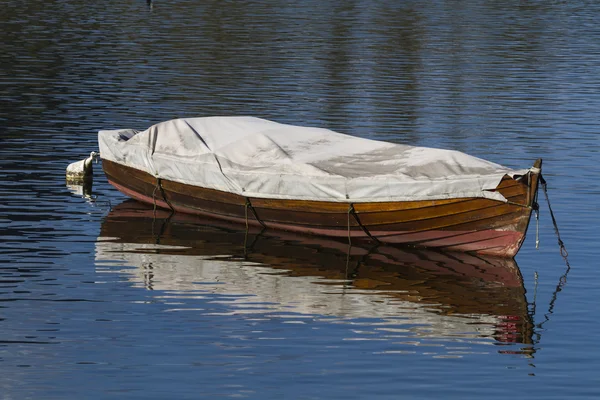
562 280
246 212
536 208
164 196
537 227
534 205
352 211
349 237
154 199
249 205
563 250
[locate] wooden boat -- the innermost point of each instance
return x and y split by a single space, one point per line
448 294
490 220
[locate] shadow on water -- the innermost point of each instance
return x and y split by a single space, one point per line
447 295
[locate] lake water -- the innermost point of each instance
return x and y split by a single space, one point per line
100 300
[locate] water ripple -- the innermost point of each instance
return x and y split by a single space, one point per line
93 306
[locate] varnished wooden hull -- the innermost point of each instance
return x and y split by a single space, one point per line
471 224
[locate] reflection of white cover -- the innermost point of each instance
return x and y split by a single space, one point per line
258 288
258 158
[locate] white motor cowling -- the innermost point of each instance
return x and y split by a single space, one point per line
81 171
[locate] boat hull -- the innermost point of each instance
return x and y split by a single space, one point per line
477 225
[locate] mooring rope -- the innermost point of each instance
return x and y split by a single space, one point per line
563 250
246 213
249 204
349 237
537 228
562 280
162 190
352 211
154 199
164 196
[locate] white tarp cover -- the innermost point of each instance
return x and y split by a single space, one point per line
254 157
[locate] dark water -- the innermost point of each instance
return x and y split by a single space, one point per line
98 300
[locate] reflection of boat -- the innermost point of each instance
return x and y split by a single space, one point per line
322 182
442 295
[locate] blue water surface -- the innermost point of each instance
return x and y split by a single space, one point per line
95 303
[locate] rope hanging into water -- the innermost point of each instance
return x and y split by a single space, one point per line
349 237
562 280
164 196
246 232
563 250
249 205
537 228
246 213
536 208
154 199
352 211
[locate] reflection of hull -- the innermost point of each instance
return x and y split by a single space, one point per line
467 224
449 294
